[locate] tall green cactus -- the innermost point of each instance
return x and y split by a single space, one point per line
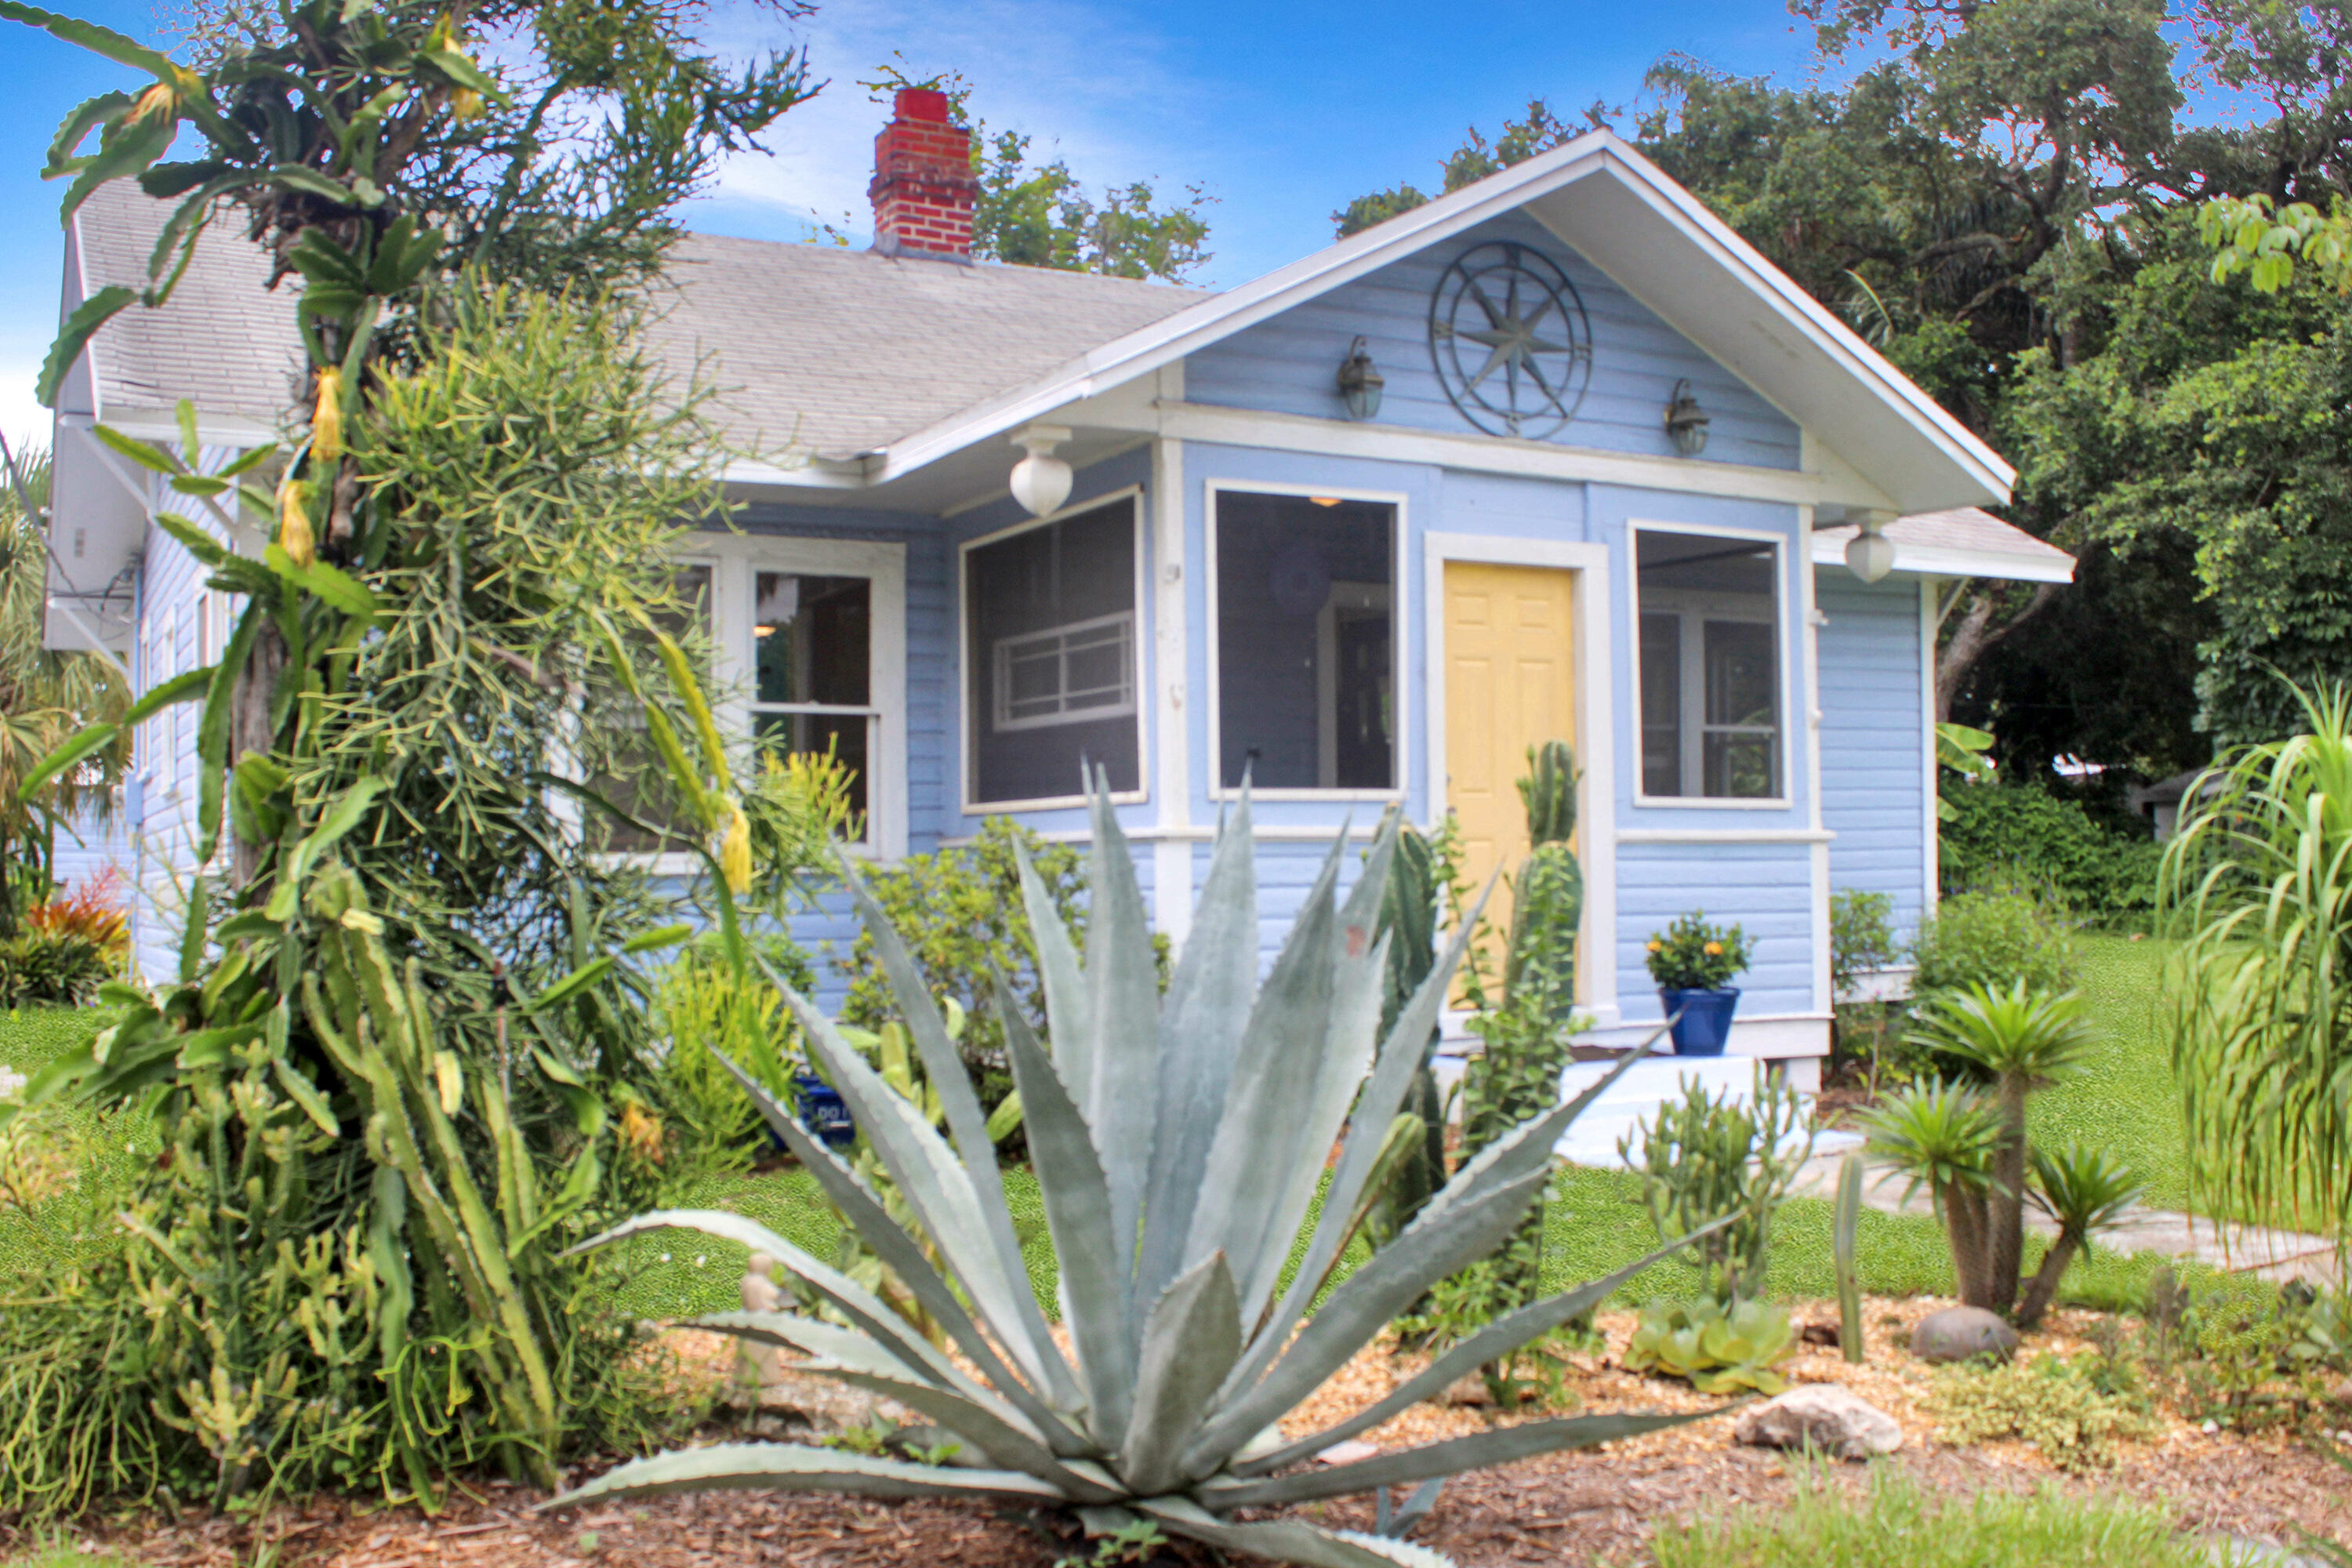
1413 1161
1527 1035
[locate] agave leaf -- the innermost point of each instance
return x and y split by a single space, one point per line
1499 1447
1400 1056
1123 1006
1497 1338
885 1327
1200 1024
1350 1034
1431 1248
1005 1444
944 1067
1288 1539
938 1189
848 1350
1078 1214
1190 1341
901 1255
795 1468
1068 1012
1272 1081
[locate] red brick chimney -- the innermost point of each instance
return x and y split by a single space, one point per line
923 183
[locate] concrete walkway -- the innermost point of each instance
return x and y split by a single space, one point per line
2256 1250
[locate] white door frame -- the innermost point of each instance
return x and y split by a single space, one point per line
1595 740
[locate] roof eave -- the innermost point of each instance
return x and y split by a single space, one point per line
1927 561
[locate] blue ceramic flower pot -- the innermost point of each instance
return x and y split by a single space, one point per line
1706 1021
823 1113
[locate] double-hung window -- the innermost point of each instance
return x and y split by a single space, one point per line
1052 657
812 658
1710 666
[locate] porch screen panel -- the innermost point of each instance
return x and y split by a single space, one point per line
1306 660
1711 721
1052 657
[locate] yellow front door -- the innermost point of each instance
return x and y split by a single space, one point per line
1510 683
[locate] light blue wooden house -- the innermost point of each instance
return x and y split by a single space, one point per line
1556 455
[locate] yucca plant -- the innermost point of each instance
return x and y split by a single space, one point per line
1179 1142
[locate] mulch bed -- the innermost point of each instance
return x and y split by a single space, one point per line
1589 1509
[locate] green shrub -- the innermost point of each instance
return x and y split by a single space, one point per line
2048 1402
1894 1521
707 1011
41 967
1705 1157
1999 834
1691 955
1994 939
960 911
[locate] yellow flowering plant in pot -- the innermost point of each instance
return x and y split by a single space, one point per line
1692 963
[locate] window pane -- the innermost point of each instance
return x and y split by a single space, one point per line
1051 656
635 778
1306 651
846 735
813 638
1710 666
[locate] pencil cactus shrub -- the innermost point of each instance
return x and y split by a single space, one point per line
1527 1036
1179 1142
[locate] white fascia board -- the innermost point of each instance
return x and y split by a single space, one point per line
231 430
1918 561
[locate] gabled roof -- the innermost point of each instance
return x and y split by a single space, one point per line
1962 542
1657 242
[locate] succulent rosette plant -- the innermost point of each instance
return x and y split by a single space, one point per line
1178 1142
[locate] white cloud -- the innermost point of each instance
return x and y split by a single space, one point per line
1091 87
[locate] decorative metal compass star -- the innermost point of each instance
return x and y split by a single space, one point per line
1509 338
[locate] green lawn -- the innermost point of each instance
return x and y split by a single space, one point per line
2126 1100
1596 1225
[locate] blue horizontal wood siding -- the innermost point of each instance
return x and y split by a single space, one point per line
1873 735
1765 890
1289 364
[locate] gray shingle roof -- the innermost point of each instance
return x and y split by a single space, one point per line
831 350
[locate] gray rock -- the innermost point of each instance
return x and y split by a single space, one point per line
1827 1417
1962 1333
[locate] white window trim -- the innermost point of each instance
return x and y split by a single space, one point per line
1218 789
735 560
1001 654
959 663
1786 665
1590 566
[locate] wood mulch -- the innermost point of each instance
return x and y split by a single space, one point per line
1591 1510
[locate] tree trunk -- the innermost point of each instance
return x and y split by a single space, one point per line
249 729
1975 636
2005 1248
1964 1222
2053 1267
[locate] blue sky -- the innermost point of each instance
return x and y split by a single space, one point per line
1281 112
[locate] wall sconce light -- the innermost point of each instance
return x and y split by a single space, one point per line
1685 421
1041 481
1870 555
1360 381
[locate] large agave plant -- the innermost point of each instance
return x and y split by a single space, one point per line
1178 1143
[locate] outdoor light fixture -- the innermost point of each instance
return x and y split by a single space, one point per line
1360 381
1041 481
1686 421
1870 555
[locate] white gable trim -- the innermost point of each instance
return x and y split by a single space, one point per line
1975 471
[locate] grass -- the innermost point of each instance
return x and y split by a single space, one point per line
2127 1099
1894 1521
59 1552
59 1144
